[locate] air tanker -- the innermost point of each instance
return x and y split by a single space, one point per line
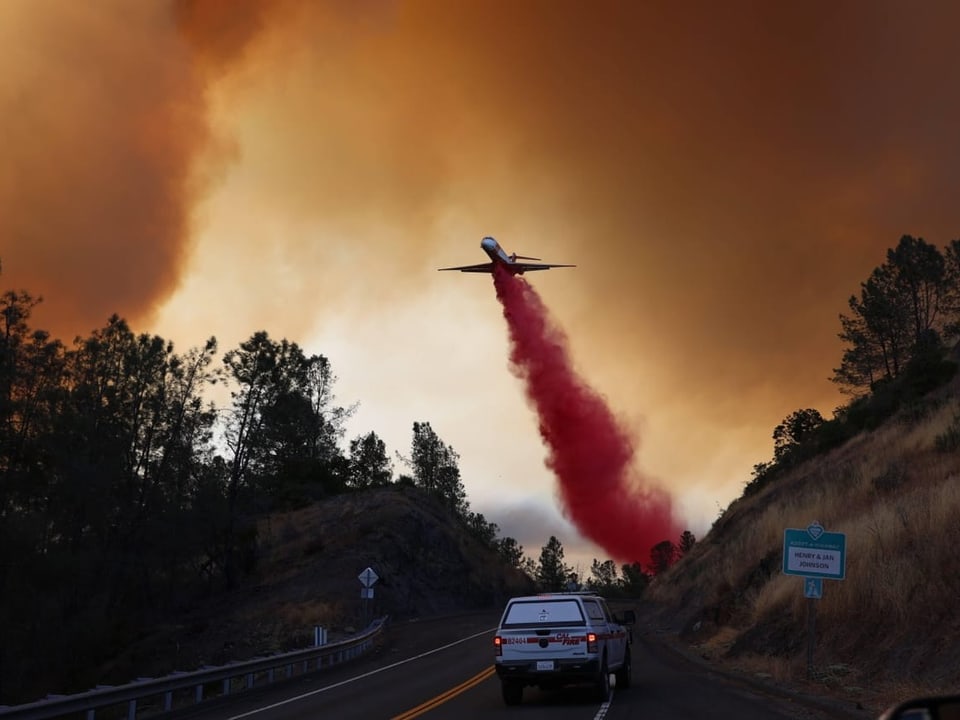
499 257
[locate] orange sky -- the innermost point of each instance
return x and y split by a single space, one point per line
723 174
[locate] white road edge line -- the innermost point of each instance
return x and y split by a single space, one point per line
359 677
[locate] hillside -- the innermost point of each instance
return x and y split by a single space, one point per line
886 631
306 575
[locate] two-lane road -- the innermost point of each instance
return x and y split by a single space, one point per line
443 670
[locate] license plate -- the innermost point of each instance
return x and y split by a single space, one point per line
544 664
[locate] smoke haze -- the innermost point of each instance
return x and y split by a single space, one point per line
723 174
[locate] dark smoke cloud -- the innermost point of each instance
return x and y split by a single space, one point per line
99 123
218 32
107 147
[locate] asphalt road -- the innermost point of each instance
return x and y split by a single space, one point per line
442 669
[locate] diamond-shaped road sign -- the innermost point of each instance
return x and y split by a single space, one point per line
368 577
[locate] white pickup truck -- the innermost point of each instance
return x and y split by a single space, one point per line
559 639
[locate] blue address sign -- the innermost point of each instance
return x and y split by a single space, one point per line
813 552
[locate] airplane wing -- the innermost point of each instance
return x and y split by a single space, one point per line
528 267
482 267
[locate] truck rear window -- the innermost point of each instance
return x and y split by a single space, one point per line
544 612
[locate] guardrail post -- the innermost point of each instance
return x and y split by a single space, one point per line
289 671
249 680
167 701
226 686
132 710
270 675
199 693
91 714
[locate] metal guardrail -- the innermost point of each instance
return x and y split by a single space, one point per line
165 688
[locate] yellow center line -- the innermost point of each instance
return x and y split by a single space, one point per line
446 695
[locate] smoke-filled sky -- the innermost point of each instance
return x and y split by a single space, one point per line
724 175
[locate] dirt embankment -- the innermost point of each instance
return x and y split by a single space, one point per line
883 633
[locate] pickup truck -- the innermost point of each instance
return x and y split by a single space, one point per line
557 639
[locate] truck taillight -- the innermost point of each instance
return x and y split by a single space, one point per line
498 645
592 642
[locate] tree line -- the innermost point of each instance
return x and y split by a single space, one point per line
898 335
554 575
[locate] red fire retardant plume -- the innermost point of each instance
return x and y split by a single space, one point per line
588 450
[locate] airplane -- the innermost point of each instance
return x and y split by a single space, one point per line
498 256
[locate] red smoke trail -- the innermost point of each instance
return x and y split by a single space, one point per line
588 450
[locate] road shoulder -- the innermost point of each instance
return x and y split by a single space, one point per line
805 700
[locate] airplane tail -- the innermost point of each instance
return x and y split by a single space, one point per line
523 257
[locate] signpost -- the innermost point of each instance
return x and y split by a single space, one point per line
367 579
815 555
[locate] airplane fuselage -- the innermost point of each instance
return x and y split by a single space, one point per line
499 258
496 253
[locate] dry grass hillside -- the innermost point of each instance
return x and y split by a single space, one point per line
891 628
306 575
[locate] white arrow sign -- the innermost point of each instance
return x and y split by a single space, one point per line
368 577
